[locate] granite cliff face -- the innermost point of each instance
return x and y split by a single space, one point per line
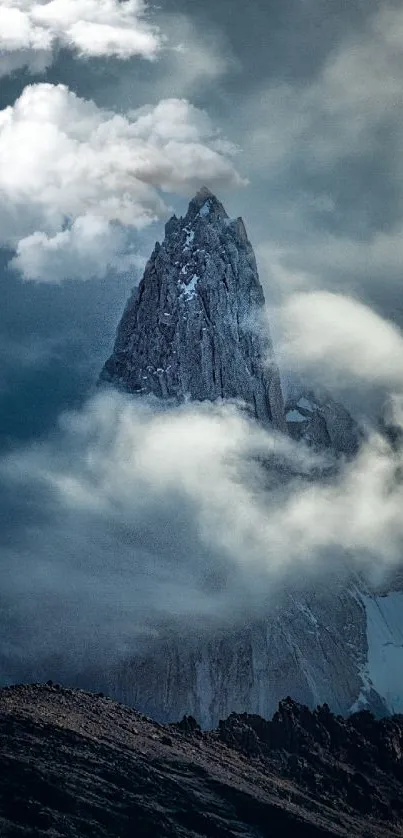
193 328
332 642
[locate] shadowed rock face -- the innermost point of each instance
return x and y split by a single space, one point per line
76 764
193 328
321 422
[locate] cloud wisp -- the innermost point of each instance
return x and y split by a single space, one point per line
338 114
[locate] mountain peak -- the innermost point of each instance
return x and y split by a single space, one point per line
205 205
194 326
203 194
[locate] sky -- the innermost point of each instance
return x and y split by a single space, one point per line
112 116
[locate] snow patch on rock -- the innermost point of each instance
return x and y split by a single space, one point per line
205 209
295 416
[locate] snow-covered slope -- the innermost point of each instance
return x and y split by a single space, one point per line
384 631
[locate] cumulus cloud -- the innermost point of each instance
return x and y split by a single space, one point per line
136 518
69 170
341 340
30 32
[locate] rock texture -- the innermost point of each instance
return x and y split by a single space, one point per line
194 326
321 422
75 764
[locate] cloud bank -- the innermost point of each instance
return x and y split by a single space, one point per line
142 518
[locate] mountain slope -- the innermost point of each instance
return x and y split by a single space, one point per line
76 764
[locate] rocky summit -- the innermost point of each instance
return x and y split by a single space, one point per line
77 764
194 328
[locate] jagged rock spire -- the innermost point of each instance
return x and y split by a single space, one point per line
204 197
194 326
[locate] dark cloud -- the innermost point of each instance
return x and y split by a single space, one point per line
283 40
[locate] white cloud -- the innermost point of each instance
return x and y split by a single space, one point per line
90 27
129 461
358 514
341 340
63 159
158 500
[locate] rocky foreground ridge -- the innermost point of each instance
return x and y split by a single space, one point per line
78 764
